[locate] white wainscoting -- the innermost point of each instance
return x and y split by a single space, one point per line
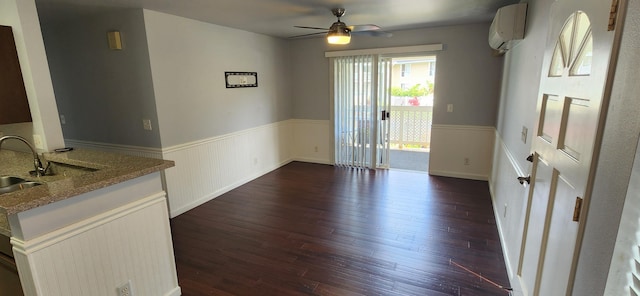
452 144
208 168
97 255
509 205
312 141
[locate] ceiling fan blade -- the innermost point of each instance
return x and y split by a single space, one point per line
314 28
359 28
305 35
373 33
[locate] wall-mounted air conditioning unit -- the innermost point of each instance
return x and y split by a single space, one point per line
507 25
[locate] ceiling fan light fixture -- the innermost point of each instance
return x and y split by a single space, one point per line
339 36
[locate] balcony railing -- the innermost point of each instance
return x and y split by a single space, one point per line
410 126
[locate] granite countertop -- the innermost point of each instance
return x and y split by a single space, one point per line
77 172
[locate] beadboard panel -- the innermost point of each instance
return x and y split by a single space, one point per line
208 168
451 144
312 141
509 199
95 256
211 167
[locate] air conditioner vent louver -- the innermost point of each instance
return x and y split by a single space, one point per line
507 25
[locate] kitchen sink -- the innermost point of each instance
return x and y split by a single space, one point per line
11 184
9 180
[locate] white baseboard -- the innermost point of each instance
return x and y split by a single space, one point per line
458 175
313 160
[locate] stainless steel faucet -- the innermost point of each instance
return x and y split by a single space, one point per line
37 164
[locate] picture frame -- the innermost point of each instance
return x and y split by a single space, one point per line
235 79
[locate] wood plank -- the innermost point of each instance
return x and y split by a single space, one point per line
310 229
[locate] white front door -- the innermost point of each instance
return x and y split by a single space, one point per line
571 106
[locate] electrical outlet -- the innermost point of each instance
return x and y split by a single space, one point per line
125 289
467 161
315 149
146 124
63 120
449 107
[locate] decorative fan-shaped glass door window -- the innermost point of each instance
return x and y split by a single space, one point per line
574 47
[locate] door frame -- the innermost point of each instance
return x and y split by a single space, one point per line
428 49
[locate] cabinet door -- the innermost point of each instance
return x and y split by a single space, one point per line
14 106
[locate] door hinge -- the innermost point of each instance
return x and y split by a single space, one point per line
613 15
577 209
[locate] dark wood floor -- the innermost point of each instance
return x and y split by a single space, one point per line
309 229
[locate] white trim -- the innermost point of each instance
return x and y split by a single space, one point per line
125 149
462 127
512 159
313 160
201 142
177 291
514 279
322 122
208 168
386 50
458 175
72 230
139 150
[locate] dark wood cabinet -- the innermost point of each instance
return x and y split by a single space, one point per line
14 106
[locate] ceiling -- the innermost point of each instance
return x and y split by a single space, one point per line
277 17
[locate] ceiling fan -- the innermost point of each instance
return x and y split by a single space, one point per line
340 33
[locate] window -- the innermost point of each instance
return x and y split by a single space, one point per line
405 70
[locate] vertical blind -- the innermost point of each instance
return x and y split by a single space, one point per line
384 108
354 106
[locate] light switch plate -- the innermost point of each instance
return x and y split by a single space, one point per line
146 124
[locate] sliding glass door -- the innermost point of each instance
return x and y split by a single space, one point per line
361 109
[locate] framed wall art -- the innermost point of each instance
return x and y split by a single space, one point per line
241 79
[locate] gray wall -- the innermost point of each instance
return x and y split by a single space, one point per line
103 94
467 74
520 82
188 61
